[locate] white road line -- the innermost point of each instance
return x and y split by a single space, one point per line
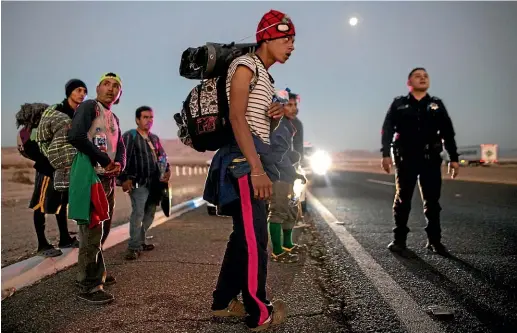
380 182
409 312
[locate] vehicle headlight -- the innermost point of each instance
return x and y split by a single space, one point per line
320 162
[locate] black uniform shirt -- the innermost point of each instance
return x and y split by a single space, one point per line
415 127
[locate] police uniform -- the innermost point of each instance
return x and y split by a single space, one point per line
414 132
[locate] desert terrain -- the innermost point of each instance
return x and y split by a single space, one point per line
363 161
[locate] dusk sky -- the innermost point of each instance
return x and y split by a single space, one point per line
346 76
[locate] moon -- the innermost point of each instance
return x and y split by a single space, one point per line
353 21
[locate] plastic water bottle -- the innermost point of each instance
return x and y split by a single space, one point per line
100 141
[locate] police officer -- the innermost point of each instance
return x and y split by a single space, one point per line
414 130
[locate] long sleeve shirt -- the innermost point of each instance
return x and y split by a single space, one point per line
85 118
416 127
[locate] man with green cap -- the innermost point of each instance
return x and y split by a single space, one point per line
95 132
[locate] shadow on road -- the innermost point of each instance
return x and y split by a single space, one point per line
489 317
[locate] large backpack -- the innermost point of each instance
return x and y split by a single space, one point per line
204 119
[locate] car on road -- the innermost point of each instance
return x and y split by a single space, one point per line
315 165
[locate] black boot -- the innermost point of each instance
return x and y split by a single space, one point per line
399 242
397 246
437 247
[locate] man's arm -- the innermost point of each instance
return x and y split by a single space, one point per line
387 131
129 171
448 134
239 94
120 157
78 134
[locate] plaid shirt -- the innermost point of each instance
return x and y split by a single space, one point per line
52 138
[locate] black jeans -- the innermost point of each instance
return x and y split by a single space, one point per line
429 175
244 267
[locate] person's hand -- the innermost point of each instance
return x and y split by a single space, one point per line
114 169
127 186
276 110
110 166
455 167
386 163
166 177
302 178
262 185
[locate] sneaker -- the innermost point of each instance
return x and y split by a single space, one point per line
74 243
284 257
98 297
147 247
131 254
398 247
438 248
49 252
110 280
234 309
278 316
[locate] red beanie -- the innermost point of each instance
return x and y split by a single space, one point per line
273 25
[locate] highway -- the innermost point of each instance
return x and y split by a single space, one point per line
383 292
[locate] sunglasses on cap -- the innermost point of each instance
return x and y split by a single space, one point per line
280 27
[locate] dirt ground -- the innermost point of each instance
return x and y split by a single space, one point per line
505 174
18 235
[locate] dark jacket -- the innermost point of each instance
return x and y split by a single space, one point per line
281 149
140 164
229 164
78 136
416 128
65 108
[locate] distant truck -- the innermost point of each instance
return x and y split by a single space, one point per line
484 154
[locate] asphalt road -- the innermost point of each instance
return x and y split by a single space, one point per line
383 292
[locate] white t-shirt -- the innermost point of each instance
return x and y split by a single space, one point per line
259 99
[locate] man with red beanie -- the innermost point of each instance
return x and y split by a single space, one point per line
246 179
